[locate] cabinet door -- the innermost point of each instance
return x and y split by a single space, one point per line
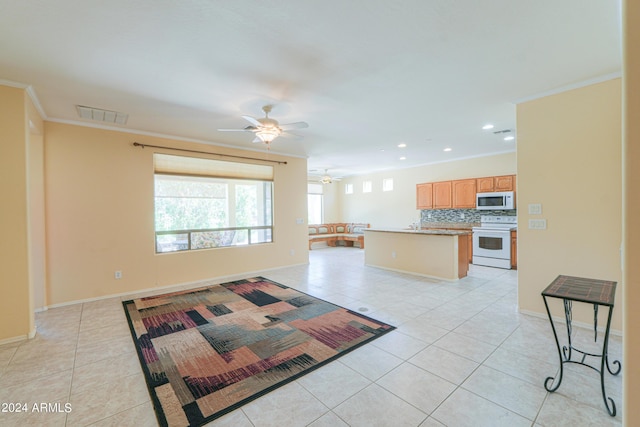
464 193
470 248
485 185
424 196
505 183
442 195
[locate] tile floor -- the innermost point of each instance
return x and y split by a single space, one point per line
462 356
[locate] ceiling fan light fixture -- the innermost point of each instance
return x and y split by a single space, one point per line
268 134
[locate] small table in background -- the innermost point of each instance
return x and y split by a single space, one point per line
591 291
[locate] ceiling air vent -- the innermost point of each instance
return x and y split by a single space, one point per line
497 132
99 115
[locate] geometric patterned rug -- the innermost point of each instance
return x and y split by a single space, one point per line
208 351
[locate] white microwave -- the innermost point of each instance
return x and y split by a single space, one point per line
495 201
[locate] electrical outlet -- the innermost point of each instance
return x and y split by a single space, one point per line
118 274
292 252
462 215
393 254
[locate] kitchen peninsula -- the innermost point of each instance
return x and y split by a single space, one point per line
435 253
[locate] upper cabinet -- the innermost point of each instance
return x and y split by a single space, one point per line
490 184
461 193
424 196
464 193
442 195
505 183
485 185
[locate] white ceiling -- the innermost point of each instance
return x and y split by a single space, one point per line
365 74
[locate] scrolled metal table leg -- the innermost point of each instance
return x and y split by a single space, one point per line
555 335
605 362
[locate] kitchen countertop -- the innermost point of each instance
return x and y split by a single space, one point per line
428 231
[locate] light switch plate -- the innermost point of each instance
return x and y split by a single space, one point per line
535 209
538 224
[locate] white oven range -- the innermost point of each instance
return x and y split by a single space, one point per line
492 241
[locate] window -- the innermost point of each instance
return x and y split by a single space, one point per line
366 186
314 203
387 184
201 203
348 189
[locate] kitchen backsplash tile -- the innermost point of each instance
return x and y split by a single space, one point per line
459 215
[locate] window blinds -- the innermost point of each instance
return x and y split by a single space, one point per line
167 164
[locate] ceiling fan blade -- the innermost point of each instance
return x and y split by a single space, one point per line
234 130
296 125
256 140
252 120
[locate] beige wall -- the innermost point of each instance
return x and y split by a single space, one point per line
16 314
631 207
100 218
569 160
397 208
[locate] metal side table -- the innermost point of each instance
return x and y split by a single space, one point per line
591 291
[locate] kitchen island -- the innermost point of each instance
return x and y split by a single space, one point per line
440 254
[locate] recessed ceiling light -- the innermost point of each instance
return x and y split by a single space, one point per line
447 149
402 145
403 158
509 138
487 126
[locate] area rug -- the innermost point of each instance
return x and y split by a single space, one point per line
207 351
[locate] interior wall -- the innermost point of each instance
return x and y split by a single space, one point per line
16 316
569 161
37 242
100 217
397 208
631 207
331 202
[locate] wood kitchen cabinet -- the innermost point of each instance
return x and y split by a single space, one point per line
486 184
424 196
489 184
505 183
470 248
514 249
464 194
442 195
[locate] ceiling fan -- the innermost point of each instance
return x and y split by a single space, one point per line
326 178
267 129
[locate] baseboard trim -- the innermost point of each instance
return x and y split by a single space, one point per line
170 288
559 319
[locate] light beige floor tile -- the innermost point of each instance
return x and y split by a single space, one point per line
17 373
370 361
416 386
33 418
92 374
444 364
431 422
465 346
50 388
560 411
290 405
139 416
375 406
88 337
329 420
235 418
104 350
6 354
334 383
465 409
111 397
421 329
526 368
399 344
512 393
